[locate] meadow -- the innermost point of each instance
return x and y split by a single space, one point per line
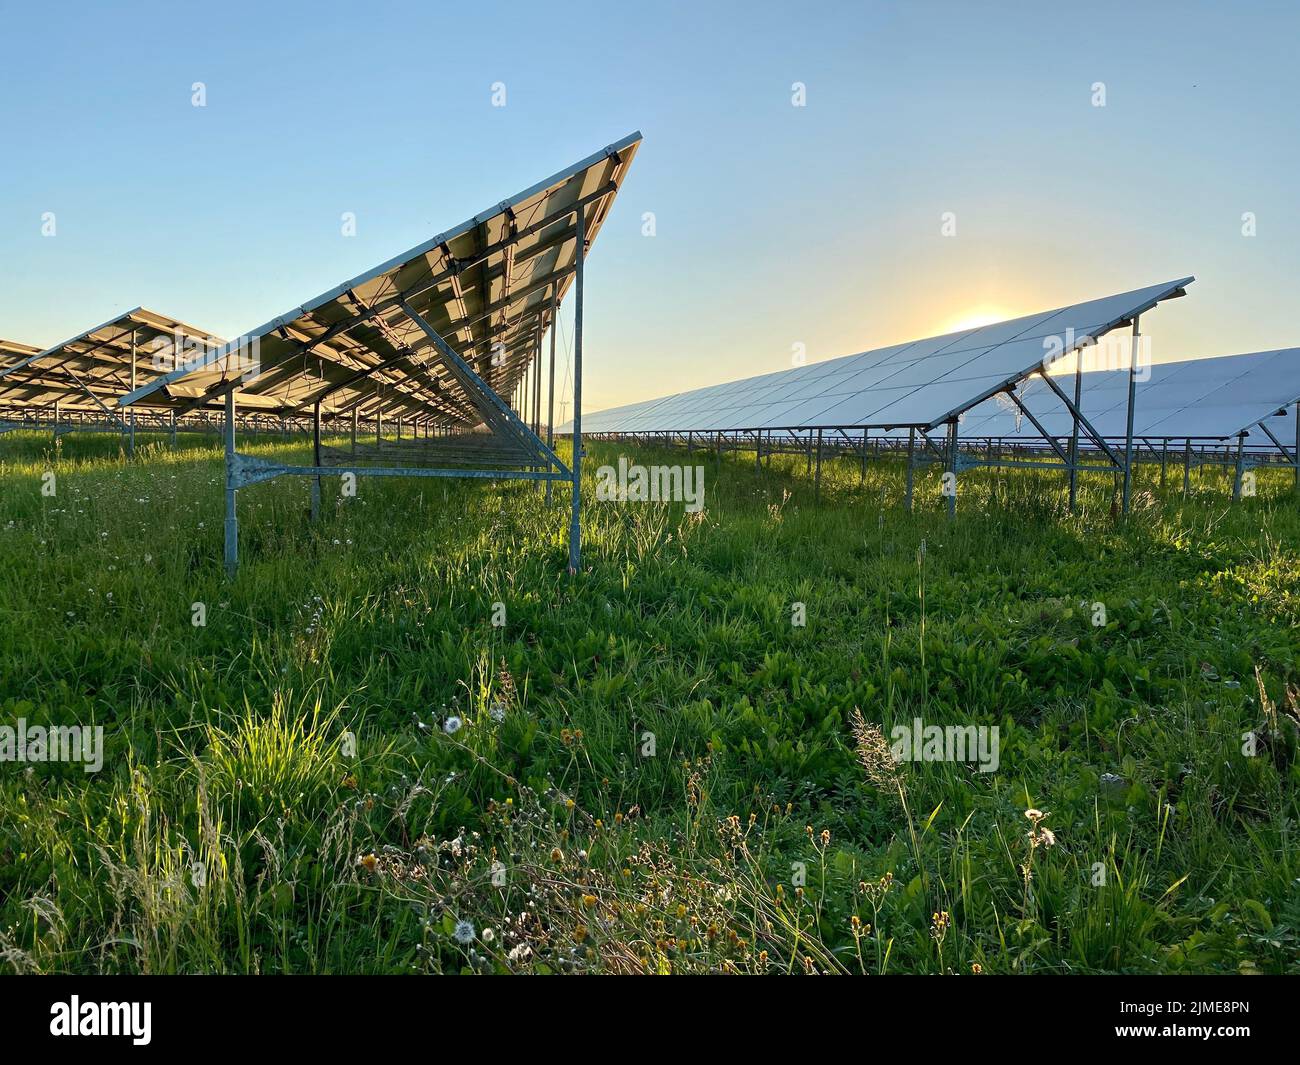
649 767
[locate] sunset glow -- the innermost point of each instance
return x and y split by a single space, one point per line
985 314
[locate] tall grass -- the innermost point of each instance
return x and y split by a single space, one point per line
349 767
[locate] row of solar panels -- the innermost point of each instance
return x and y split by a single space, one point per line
967 376
490 287
1213 398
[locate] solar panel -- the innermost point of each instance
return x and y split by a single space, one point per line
1211 398
489 286
11 352
93 369
923 383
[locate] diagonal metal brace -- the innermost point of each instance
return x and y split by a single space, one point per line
1060 451
1289 454
1091 433
86 389
930 445
530 439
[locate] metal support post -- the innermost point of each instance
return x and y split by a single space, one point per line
1239 468
817 483
575 466
550 392
316 461
232 518
131 447
1074 430
1128 430
911 468
952 466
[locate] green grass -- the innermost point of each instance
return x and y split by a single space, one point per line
278 794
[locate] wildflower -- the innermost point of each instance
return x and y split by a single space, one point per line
452 724
369 861
557 855
464 932
488 935
589 901
1039 834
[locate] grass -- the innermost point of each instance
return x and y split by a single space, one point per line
655 770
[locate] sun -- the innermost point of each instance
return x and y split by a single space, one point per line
985 314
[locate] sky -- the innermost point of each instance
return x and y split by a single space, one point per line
949 164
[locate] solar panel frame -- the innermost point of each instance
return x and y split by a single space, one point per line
357 327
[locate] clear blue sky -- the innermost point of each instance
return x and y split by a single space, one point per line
776 225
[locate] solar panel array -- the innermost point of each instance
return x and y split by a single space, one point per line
1211 398
92 370
488 287
922 383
